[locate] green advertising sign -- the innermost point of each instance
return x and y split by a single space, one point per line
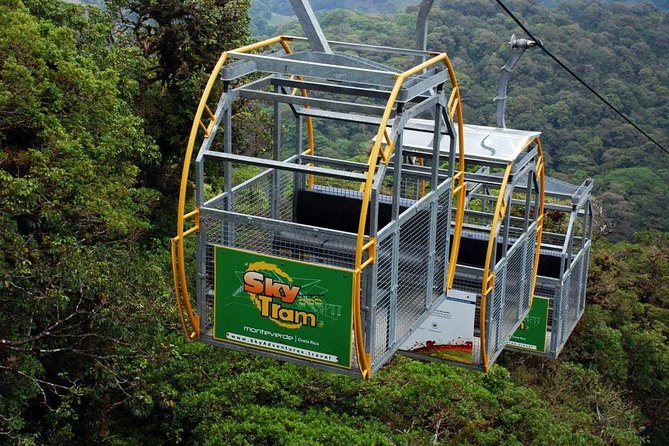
283 306
531 335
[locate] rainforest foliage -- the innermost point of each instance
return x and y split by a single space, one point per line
94 111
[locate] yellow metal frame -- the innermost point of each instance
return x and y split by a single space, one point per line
488 282
177 251
186 313
455 106
541 176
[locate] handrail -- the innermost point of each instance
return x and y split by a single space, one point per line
488 282
364 360
177 249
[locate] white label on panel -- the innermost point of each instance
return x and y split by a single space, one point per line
448 333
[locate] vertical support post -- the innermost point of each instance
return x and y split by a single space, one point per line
228 236
369 274
434 180
298 178
564 290
227 148
583 276
486 205
274 192
201 257
312 29
394 270
557 320
451 264
584 280
436 144
571 234
525 285
528 198
583 228
591 217
451 150
507 220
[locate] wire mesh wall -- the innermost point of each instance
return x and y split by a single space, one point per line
261 214
277 238
511 293
566 303
572 299
563 265
513 251
412 253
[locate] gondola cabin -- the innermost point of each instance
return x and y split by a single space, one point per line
316 258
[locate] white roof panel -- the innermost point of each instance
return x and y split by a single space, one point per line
481 143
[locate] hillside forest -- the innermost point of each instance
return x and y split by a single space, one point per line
95 107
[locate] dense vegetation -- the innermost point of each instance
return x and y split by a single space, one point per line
664 4
267 14
94 106
284 7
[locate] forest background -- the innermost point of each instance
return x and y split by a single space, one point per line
95 104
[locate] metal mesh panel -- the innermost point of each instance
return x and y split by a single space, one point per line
287 188
571 297
413 188
412 271
255 186
564 304
511 292
442 245
584 277
255 198
566 296
382 337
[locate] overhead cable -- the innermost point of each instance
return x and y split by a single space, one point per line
540 44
